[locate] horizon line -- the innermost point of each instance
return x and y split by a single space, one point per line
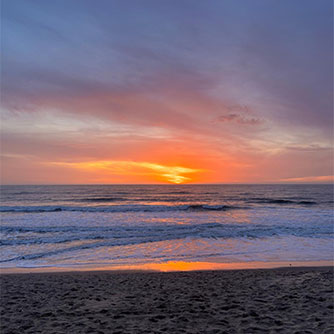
166 184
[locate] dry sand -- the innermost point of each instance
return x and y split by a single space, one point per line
291 300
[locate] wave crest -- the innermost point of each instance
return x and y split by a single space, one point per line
118 208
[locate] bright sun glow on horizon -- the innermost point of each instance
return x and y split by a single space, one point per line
170 174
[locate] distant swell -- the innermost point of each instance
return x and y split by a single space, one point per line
200 207
118 208
175 193
281 201
101 199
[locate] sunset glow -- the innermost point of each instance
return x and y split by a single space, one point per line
136 94
171 174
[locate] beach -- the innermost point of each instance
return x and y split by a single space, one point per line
167 259
283 300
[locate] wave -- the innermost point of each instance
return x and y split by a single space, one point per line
259 200
175 193
94 237
203 207
101 199
118 208
122 199
280 201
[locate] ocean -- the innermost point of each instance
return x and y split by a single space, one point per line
94 226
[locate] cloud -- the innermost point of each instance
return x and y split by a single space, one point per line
327 178
240 115
241 88
274 57
173 174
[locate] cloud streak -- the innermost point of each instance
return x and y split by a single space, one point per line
307 179
172 174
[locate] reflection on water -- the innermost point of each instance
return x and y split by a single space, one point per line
240 216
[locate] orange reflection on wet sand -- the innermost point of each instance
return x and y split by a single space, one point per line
195 266
176 266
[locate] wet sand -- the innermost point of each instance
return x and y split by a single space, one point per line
286 300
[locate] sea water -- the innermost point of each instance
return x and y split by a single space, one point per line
77 226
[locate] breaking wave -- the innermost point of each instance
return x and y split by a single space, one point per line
119 208
281 201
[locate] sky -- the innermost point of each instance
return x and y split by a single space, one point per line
169 91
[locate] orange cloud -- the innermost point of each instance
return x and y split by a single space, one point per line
327 178
172 174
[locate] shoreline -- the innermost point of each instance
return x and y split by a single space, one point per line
172 266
